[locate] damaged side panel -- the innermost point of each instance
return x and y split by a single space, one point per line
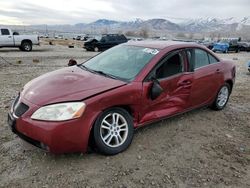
174 99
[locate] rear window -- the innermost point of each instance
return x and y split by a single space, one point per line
212 59
5 32
199 58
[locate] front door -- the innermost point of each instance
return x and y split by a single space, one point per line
176 84
6 39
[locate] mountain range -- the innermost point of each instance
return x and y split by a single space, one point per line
156 26
190 25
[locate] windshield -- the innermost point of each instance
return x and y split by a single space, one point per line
123 62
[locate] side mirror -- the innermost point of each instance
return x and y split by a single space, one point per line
72 62
156 90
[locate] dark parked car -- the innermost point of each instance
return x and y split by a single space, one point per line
104 42
244 46
104 99
78 37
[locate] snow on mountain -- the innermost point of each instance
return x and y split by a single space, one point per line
245 21
104 22
215 24
157 25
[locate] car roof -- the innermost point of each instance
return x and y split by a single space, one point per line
162 44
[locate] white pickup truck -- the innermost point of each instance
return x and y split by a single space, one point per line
23 42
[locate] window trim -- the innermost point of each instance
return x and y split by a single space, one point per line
161 61
208 53
6 30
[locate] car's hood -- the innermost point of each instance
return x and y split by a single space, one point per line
67 84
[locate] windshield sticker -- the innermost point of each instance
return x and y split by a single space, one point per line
151 51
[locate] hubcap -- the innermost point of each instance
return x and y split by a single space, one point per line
114 130
27 47
222 96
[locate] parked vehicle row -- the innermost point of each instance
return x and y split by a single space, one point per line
227 45
82 38
244 46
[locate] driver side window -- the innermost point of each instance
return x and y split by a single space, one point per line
170 66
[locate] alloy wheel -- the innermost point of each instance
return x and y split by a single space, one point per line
222 96
114 130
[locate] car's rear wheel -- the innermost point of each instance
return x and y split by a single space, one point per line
222 97
96 49
26 46
113 131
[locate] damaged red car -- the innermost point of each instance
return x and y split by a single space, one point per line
103 100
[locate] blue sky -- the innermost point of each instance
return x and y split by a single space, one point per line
25 12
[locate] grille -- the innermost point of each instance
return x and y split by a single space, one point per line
20 109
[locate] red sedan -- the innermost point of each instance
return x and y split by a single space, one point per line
104 99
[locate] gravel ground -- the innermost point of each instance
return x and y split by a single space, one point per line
201 148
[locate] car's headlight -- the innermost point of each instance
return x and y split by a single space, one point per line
60 112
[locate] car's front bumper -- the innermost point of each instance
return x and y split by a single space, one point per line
56 137
12 124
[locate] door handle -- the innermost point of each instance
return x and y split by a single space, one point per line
185 82
9 36
217 71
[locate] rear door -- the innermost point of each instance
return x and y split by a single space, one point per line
176 83
207 76
6 38
112 41
106 42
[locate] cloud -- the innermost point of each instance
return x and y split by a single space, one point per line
75 11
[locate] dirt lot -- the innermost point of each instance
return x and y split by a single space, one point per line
202 148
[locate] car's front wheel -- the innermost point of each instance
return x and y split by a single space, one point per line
222 97
113 131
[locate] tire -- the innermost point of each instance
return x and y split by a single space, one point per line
222 97
96 49
26 46
109 138
237 50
